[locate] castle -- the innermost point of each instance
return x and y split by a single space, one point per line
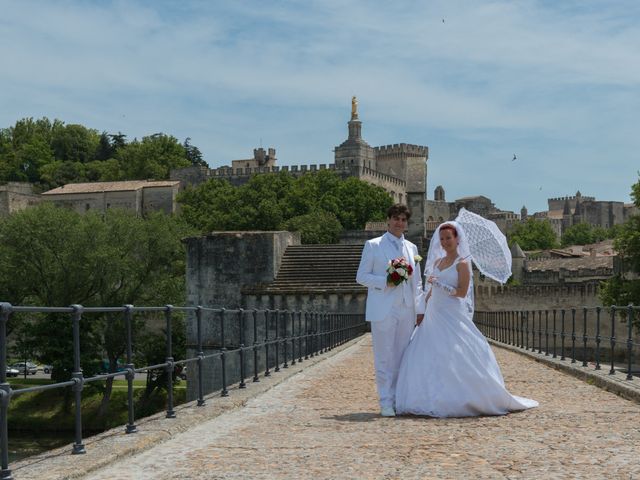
400 169
565 212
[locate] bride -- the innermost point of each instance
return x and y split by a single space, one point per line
448 369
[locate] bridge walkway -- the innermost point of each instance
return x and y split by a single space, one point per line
324 423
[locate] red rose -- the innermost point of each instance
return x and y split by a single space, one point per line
395 276
409 269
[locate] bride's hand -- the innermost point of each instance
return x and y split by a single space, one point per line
431 278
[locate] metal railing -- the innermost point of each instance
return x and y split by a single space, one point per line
298 335
589 335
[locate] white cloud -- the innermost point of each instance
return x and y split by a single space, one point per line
557 80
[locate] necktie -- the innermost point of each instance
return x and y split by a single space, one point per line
406 286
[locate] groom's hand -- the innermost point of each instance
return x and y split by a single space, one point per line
419 318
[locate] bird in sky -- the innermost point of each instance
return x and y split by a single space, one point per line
514 158
443 20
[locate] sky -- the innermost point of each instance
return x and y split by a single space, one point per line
555 83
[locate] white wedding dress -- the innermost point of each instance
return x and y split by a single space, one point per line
448 369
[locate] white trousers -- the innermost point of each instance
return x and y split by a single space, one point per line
390 338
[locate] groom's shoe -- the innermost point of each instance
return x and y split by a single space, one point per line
387 412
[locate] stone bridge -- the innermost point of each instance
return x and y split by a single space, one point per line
319 419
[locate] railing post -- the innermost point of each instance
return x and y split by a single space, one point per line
546 333
5 392
306 336
201 401
242 340
629 340
267 319
562 336
169 361
284 342
584 337
78 447
612 371
573 335
598 338
292 316
539 331
255 346
223 355
555 333
277 341
128 313
299 336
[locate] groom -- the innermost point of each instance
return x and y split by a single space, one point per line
392 310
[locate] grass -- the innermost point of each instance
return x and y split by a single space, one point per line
45 411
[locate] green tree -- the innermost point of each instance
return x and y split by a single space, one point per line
624 288
193 153
75 143
578 234
316 227
55 257
533 234
153 157
276 201
585 233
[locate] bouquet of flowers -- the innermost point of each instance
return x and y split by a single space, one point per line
398 271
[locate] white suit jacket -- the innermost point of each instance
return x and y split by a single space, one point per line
372 273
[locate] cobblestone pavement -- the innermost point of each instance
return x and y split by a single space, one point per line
324 423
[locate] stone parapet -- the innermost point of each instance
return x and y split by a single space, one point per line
402 148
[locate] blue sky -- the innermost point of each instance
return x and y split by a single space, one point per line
555 82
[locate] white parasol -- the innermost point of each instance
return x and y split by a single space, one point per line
487 244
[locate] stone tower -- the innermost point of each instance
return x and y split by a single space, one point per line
566 215
354 152
401 169
408 163
438 194
524 214
518 262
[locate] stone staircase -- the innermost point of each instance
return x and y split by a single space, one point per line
317 268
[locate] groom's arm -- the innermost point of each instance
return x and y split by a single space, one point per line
365 275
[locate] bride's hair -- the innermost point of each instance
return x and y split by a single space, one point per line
448 226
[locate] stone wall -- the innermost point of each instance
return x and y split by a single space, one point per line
227 269
161 199
16 196
220 264
101 201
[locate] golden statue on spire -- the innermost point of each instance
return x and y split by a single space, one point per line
354 108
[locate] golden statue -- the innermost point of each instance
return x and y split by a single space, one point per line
354 108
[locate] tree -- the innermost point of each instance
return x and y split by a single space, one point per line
55 257
533 235
316 227
75 143
276 201
578 234
624 288
153 157
193 153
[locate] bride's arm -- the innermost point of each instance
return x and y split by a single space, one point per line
464 278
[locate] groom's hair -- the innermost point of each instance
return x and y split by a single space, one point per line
398 209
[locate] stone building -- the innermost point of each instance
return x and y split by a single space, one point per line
565 212
140 196
400 169
260 159
439 210
15 196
